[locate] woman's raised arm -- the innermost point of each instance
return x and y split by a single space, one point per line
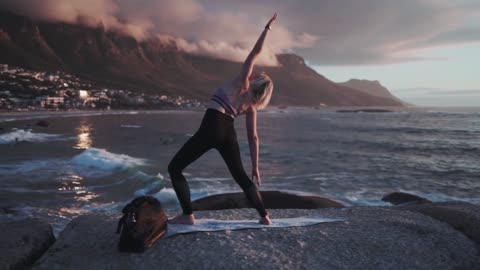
252 57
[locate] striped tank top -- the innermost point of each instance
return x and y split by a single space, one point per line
222 99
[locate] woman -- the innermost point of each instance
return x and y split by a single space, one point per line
245 94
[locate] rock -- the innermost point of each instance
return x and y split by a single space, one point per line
397 198
167 141
42 123
370 238
7 211
271 199
462 216
365 111
23 242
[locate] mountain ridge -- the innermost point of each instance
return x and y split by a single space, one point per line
374 88
113 59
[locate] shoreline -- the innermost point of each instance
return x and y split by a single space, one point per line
368 109
12 116
32 115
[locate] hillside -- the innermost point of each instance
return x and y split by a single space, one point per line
373 88
115 60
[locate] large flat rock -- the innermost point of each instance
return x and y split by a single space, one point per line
462 216
23 242
271 199
402 198
370 238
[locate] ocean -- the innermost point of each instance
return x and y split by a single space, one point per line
95 162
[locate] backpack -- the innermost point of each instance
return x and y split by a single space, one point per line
142 224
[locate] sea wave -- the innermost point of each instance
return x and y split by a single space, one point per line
25 167
22 135
414 130
92 162
153 188
67 114
130 126
167 196
104 160
425 147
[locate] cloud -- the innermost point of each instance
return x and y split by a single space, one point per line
224 33
383 31
327 32
62 10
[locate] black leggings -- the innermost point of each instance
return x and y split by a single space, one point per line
216 131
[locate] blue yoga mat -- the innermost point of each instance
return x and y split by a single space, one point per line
211 225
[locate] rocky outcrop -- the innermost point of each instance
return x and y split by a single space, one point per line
462 216
399 198
369 238
373 88
23 242
42 123
365 111
271 199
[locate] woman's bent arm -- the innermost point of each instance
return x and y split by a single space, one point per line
253 142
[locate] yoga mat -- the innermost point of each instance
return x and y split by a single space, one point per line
212 225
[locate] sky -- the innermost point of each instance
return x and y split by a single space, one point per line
416 48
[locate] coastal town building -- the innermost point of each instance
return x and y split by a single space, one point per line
22 89
50 102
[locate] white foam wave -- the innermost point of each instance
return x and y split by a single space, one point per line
130 126
211 179
144 177
21 135
16 117
20 118
153 188
166 196
160 176
25 167
104 160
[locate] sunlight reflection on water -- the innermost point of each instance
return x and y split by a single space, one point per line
84 140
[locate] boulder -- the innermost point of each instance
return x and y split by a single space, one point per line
7 211
369 238
462 216
23 242
365 111
43 123
398 198
271 199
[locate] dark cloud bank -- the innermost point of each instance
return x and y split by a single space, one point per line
326 32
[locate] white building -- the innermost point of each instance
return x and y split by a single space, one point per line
50 101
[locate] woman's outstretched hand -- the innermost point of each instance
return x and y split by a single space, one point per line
271 21
256 174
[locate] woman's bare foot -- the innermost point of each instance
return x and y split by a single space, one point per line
265 220
183 219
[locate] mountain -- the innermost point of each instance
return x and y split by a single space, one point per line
373 88
115 60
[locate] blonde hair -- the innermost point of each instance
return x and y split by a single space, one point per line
262 88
